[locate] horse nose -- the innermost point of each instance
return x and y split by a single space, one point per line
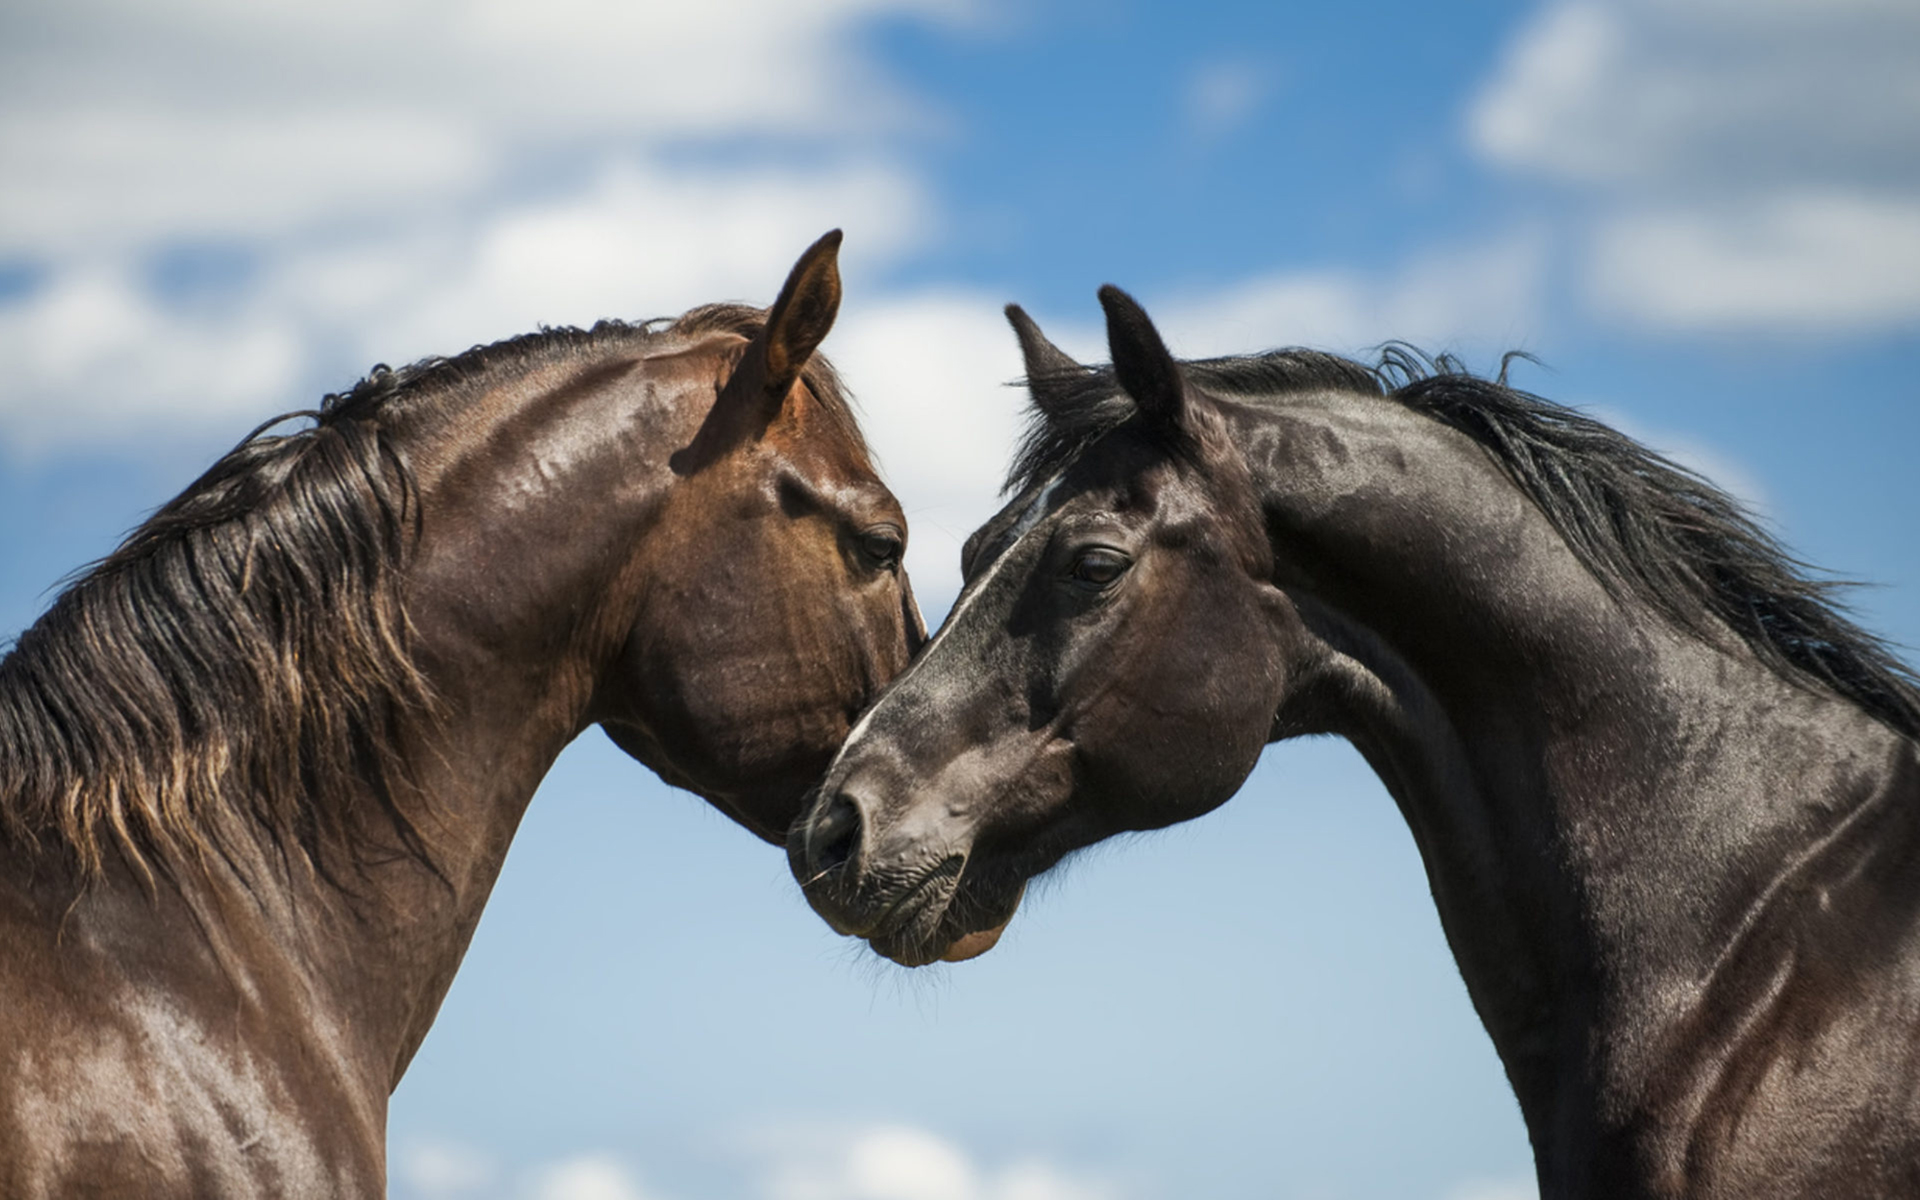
833 836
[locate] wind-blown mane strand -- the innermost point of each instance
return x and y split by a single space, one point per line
244 650
1648 526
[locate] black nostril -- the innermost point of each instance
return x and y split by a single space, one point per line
834 837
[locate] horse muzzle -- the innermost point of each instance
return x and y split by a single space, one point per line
904 891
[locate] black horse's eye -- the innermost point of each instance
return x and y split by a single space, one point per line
882 547
1097 568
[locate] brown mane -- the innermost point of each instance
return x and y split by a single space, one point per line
244 659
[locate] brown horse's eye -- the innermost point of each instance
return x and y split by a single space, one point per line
1097 568
882 547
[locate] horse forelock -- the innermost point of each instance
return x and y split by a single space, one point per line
245 659
1085 404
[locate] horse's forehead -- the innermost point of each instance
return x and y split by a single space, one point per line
1110 477
816 444
1156 488
1006 528
1047 501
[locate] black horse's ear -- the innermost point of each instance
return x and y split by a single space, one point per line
1142 364
1049 368
799 320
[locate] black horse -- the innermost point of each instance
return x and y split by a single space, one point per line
1668 797
260 767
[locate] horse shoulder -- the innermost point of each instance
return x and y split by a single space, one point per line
130 1074
1818 1088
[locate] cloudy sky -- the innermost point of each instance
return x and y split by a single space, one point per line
1702 215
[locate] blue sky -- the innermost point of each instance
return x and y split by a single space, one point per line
1702 215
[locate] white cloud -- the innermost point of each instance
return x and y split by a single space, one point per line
1752 166
590 1177
1036 1180
906 1164
98 354
930 371
1222 96
127 122
1808 262
884 1161
1707 93
1451 297
443 1170
403 180
900 1162
94 358
1554 66
642 240
83 177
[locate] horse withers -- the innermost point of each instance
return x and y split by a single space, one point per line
1667 795
259 768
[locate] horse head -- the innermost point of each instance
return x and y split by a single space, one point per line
775 604
1113 663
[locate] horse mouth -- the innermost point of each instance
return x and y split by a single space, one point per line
907 931
933 922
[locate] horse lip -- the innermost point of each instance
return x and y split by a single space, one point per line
902 909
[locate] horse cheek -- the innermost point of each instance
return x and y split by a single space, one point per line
1200 714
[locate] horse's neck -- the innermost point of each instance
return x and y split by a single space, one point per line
1605 805
405 935
360 935
1659 900
508 593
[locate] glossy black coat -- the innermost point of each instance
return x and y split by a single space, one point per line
1667 798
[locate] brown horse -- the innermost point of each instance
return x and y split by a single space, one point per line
259 767
1668 796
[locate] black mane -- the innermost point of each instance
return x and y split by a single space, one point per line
244 658
1086 404
1645 526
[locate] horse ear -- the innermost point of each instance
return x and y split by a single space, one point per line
1049 368
799 320
758 389
1142 364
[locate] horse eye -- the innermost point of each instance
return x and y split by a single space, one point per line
1099 567
882 547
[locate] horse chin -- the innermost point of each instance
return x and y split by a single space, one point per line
950 942
973 945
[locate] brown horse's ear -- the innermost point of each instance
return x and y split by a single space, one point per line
799 320
758 389
1142 364
1049 368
